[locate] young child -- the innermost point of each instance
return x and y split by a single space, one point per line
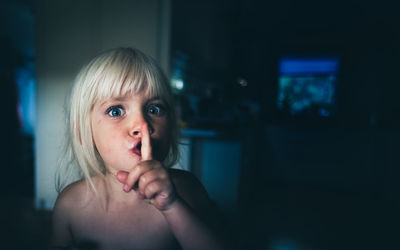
122 139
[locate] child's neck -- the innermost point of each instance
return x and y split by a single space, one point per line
115 193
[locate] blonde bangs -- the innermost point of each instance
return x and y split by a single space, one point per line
119 74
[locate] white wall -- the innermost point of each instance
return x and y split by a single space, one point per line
68 34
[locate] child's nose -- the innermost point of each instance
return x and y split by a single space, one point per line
135 123
138 129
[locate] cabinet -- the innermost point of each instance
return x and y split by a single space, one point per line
215 160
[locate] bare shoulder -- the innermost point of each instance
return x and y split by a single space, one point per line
74 199
67 206
72 195
190 189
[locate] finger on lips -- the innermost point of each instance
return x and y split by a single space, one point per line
146 154
146 175
146 143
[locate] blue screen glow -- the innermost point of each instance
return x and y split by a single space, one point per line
307 86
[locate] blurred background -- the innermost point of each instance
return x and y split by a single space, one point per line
289 110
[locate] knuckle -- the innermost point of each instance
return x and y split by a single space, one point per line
162 176
154 163
162 173
142 182
139 168
150 190
130 179
155 186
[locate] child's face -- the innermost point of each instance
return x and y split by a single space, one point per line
117 129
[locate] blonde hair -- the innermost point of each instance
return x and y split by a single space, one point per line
113 73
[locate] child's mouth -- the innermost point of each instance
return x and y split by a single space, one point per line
137 149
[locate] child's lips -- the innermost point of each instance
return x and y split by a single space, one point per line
137 148
137 152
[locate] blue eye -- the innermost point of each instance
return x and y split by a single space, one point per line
155 109
116 111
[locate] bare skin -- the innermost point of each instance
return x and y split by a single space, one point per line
146 206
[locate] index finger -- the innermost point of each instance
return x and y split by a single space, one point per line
146 143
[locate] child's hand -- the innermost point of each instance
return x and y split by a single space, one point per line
149 177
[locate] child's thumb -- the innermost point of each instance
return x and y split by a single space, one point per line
122 176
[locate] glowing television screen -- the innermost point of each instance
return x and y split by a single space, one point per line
307 86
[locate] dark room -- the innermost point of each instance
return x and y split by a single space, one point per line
286 111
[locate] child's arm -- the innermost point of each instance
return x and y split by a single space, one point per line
155 183
192 216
